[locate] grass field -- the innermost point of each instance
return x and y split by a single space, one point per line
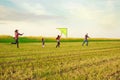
98 61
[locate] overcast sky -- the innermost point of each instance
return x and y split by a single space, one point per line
98 18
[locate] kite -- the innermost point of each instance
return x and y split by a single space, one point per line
63 31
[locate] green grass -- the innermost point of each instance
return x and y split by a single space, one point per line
98 61
37 39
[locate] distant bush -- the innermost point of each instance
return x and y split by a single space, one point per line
5 38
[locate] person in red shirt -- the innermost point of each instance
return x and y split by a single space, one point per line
17 38
85 40
58 41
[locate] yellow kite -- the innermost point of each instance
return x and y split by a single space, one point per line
63 31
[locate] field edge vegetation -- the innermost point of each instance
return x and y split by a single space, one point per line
36 39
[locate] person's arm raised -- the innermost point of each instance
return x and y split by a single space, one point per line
21 34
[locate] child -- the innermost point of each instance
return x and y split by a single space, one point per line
58 41
17 38
43 42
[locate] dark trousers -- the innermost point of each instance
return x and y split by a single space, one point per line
16 42
58 44
43 43
85 41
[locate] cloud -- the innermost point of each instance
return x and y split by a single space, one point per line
109 21
2 23
80 11
101 17
13 15
33 6
111 4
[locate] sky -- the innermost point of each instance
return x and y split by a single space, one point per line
98 18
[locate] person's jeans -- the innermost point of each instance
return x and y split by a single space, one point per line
85 41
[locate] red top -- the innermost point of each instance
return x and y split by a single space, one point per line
58 37
17 35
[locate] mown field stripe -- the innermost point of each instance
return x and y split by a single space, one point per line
58 57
